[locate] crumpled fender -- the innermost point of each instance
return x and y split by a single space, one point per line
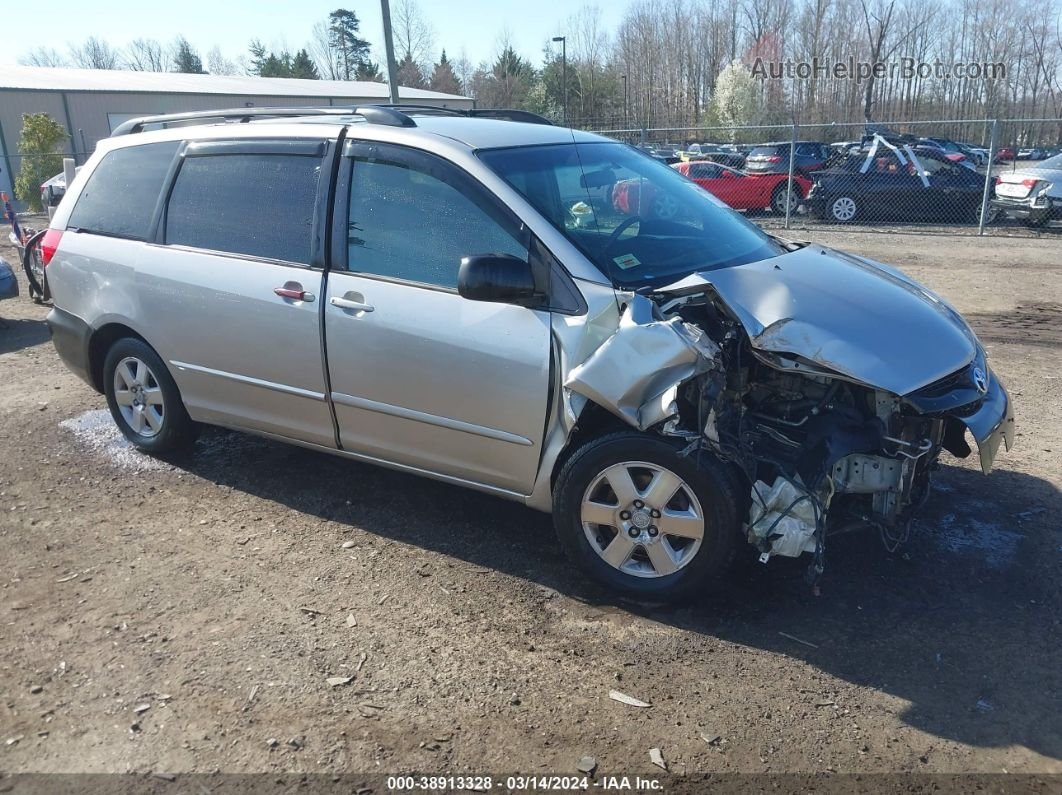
637 371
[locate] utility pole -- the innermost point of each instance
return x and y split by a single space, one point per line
564 72
389 46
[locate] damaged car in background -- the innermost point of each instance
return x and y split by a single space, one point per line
533 312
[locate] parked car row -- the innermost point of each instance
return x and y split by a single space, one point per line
882 179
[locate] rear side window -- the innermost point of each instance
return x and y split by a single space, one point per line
259 205
121 193
764 151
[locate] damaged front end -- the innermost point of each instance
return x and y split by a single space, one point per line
788 370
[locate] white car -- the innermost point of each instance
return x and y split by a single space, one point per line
1032 194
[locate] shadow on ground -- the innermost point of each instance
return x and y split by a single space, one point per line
16 335
963 622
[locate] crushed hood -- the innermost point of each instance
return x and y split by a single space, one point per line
856 317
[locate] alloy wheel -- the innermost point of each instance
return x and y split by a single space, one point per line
781 193
843 209
139 397
642 519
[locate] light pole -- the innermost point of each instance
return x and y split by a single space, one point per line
625 122
389 47
564 72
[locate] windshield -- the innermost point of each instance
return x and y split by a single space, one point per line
639 221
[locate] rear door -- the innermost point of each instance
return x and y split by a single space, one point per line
232 285
420 376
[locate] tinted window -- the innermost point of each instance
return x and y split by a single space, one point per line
765 151
120 195
416 220
702 171
253 204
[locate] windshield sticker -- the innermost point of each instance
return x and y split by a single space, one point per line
627 261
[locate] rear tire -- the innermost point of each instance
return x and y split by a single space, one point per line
144 400
842 209
665 532
778 199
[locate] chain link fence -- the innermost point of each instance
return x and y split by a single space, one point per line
973 174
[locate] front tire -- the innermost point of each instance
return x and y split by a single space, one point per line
144 400
643 520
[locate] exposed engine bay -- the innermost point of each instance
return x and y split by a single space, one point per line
821 451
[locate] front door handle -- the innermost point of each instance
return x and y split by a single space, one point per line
346 303
294 291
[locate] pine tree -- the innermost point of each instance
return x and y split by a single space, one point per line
186 59
302 66
409 74
351 49
443 77
369 71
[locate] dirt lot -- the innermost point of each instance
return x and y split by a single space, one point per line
187 616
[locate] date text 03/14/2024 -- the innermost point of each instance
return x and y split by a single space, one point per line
517 783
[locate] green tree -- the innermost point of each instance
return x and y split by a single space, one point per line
303 67
508 83
258 56
443 77
185 58
39 146
276 65
351 50
369 71
409 74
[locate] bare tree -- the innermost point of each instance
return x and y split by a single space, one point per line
147 55
43 56
218 64
324 54
94 54
414 36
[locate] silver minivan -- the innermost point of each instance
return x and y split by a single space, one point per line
534 312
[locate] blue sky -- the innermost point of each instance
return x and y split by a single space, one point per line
472 25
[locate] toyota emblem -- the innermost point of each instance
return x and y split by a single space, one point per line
980 380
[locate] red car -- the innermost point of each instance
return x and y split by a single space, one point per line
1005 154
744 191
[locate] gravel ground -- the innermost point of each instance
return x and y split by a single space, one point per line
187 615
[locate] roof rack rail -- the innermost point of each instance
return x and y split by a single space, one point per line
390 115
507 114
374 114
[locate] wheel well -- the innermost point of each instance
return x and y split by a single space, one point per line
594 421
101 341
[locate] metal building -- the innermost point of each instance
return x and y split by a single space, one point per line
90 103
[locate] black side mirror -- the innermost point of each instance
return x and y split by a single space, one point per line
501 278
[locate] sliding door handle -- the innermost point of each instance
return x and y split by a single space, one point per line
346 303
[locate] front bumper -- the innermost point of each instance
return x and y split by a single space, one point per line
992 423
